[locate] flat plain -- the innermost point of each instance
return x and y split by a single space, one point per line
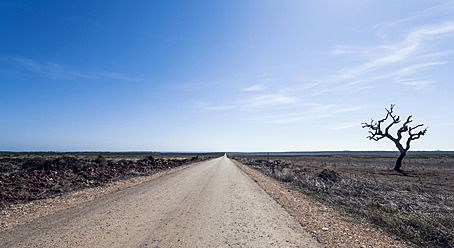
417 207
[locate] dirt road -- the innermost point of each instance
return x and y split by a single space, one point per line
213 204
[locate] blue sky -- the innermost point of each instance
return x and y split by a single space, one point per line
222 75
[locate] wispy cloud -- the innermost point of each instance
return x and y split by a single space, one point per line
441 11
220 107
268 100
419 84
412 45
259 102
305 112
405 57
256 87
415 68
265 77
341 49
55 71
343 126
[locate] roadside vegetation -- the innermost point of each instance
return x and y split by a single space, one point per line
30 176
417 207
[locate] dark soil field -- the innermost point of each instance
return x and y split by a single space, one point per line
417 206
30 176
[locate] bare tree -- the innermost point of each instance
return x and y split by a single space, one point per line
378 131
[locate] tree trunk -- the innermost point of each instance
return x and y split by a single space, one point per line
399 162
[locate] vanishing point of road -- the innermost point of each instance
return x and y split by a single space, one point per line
211 204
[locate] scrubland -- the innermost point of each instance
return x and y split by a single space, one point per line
31 176
417 206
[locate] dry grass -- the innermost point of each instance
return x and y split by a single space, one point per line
417 207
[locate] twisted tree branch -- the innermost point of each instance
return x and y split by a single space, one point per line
377 133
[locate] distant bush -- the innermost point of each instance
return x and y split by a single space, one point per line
101 161
65 163
4 169
36 163
329 175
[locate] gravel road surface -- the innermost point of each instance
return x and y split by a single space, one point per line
212 204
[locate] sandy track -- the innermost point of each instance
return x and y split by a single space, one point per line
213 204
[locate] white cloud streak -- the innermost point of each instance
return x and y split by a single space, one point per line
343 126
57 71
407 57
256 87
259 102
411 46
419 85
306 112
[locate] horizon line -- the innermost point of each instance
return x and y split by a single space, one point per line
149 151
